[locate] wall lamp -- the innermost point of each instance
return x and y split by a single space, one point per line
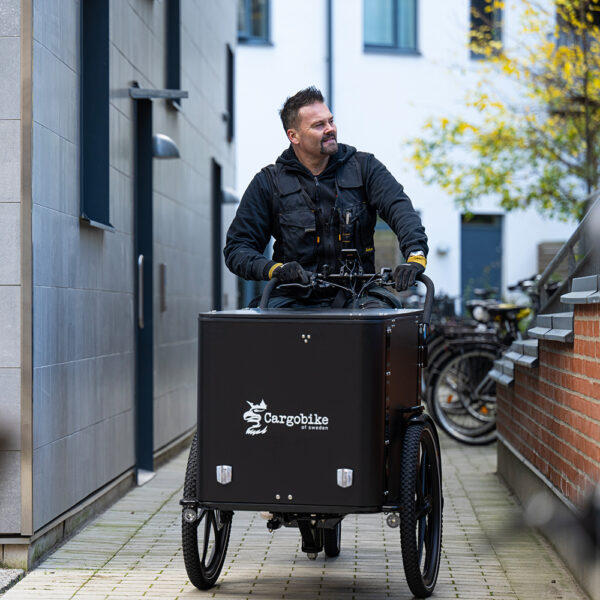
164 147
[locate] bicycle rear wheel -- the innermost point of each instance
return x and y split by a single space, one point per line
462 397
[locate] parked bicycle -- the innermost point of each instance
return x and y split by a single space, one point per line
460 394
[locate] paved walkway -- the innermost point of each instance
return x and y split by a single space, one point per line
133 550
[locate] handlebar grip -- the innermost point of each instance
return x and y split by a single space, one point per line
428 297
266 295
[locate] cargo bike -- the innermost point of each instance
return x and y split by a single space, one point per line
311 415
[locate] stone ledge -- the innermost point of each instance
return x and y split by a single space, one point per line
584 290
556 327
524 353
503 372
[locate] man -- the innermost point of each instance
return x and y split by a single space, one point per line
318 196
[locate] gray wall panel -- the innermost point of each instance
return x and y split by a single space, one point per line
10 255
58 84
10 160
175 366
10 409
10 326
121 142
105 383
72 467
10 491
10 69
10 14
73 324
80 257
55 23
174 413
121 74
56 178
121 207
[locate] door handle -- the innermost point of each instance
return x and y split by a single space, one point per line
140 267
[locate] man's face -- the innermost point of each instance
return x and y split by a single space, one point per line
315 133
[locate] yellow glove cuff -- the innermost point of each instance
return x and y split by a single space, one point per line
275 266
418 259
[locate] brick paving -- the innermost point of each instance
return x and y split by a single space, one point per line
133 550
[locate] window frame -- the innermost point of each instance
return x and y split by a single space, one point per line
394 48
497 29
245 37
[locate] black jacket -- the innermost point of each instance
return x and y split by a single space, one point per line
308 215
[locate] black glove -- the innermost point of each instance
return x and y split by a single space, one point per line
291 272
405 275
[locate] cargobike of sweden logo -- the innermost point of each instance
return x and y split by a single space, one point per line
260 419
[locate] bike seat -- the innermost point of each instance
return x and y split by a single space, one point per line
505 309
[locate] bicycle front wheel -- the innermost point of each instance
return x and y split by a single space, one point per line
462 398
205 540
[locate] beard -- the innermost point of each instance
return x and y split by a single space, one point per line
331 148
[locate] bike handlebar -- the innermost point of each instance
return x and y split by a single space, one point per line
430 292
266 295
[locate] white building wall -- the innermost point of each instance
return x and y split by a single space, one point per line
380 102
267 75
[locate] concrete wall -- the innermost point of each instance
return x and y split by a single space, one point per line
83 276
10 272
380 101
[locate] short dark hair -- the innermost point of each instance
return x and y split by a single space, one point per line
290 108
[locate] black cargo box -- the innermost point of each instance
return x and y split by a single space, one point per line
291 401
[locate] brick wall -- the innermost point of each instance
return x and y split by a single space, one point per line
551 415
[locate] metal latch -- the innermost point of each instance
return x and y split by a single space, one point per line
344 477
224 474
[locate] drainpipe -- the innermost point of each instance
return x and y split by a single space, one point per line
330 54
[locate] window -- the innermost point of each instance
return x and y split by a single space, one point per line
567 17
173 46
390 25
486 28
230 93
94 107
253 21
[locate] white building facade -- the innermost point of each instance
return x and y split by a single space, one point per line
383 82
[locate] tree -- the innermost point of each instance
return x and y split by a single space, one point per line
541 146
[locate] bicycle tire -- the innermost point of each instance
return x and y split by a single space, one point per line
451 394
203 574
421 506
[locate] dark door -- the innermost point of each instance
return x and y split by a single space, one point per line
481 253
144 380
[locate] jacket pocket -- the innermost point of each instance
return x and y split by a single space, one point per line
298 233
